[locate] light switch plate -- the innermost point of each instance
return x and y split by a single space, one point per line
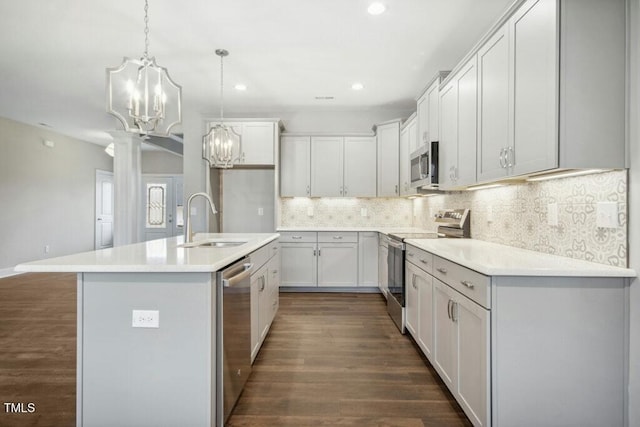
552 214
607 215
260 211
310 211
363 212
145 319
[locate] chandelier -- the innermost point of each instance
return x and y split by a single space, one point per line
141 95
218 144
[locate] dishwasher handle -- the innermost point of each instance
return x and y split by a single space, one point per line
234 280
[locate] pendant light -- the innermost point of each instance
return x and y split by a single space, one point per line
141 95
218 144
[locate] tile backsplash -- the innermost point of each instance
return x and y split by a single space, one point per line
346 212
513 215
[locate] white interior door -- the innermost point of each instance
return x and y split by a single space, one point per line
104 210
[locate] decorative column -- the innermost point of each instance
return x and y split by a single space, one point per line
126 182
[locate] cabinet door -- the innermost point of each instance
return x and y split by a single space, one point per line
424 281
274 286
359 167
472 323
337 264
445 335
422 119
299 264
433 100
264 297
412 303
448 149
368 258
388 137
258 282
383 276
258 141
327 167
533 34
295 166
467 82
405 166
494 113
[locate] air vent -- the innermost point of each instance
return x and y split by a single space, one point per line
324 97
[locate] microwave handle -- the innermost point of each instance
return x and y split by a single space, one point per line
423 175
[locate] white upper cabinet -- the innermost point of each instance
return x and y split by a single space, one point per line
295 166
254 141
428 114
388 137
458 107
359 166
493 106
533 33
258 142
408 137
327 166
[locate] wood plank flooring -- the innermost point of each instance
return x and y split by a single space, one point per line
329 360
338 360
38 349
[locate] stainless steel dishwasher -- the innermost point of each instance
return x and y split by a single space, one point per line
233 335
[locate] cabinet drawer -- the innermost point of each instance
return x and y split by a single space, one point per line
298 236
468 282
259 257
273 249
420 258
338 237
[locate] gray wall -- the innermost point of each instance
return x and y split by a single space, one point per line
634 212
47 195
161 162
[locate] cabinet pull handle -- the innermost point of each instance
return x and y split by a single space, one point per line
410 254
449 309
467 283
337 237
424 261
296 237
442 270
314 252
345 191
308 189
319 252
396 189
454 309
501 159
510 157
261 283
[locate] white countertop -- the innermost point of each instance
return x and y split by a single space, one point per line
493 259
162 255
384 230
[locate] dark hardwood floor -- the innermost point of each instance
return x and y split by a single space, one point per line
329 360
38 349
338 360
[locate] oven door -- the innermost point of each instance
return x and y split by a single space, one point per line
396 295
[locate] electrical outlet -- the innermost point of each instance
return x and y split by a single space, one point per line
490 213
260 211
363 212
145 319
552 214
607 215
46 249
310 211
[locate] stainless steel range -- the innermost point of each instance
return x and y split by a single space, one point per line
454 223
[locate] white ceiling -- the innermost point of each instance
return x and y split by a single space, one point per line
53 54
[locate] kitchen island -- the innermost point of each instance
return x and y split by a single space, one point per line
157 374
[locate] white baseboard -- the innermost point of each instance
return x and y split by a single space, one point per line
8 272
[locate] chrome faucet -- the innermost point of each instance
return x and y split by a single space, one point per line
188 237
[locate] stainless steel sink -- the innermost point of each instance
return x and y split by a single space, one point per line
214 243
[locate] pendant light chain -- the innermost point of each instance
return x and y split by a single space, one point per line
221 88
146 28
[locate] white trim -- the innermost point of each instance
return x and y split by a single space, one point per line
8 272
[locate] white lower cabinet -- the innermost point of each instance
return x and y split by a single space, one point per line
368 258
338 264
419 307
461 356
265 288
299 262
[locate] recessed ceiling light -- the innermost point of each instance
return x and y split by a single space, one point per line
376 8
357 86
240 86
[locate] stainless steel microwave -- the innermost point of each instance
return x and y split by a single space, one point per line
424 166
